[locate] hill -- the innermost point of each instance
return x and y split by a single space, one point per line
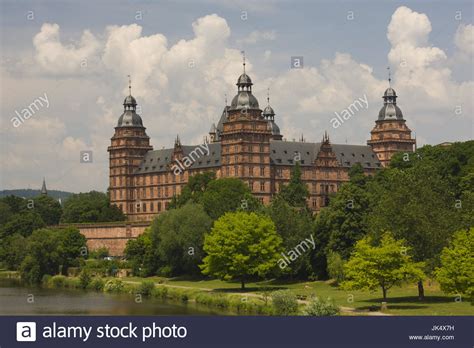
29 193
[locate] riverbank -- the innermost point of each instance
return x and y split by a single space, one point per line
227 296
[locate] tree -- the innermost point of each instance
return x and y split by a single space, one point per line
48 208
380 265
90 207
23 223
5 213
416 205
296 192
227 195
48 249
13 251
193 190
141 255
241 245
293 225
177 237
456 274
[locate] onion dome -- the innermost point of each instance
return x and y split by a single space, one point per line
130 118
244 98
390 110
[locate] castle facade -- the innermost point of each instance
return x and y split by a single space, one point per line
246 144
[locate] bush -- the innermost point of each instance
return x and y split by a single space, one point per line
165 271
46 280
58 281
160 292
84 278
284 303
114 285
146 288
96 284
321 308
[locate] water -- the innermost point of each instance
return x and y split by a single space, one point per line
22 300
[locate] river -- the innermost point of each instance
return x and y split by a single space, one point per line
21 300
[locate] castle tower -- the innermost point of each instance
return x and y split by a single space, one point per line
390 134
328 168
269 115
128 146
245 141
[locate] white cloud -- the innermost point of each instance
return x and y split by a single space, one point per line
180 88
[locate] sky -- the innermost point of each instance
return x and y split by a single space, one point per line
72 59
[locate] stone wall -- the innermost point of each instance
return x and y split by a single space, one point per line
113 236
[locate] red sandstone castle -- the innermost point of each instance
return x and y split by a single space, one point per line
245 144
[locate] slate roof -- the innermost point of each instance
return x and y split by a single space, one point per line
158 160
281 153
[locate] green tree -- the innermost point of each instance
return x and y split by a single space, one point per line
380 265
13 251
226 195
48 208
90 207
193 190
178 235
241 245
5 213
141 255
49 250
296 192
416 205
23 223
456 274
293 225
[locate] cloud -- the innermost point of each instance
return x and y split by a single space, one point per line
180 87
258 36
56 58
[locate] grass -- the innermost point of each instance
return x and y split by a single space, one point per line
401 300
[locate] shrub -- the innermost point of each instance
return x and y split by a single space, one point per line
84 278
96 284
114 285
58 281
46 280
284 303
160 292
165 271
321 308
146 288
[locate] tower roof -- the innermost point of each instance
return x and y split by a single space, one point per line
44 191
130 118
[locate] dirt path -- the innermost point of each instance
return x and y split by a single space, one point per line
349 310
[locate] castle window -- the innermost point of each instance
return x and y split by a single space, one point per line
159 206
236 170
313 187
262 186
166 191
144 207
261 148
314 203
138 207
250 171
262 171
278 172
251 185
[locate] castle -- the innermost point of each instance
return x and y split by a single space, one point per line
246 144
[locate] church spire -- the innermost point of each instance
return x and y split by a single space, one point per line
44 191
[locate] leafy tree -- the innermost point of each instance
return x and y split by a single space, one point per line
141 255
177 237
193 190
48 249
456 274
293 225
13 251
226 195
416 205
5 213
296 192
16 204
90 207
380 266
241 245
23 223
48 208
335 266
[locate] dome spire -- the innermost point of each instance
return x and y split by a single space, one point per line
129 86
268 96
389 77
243 59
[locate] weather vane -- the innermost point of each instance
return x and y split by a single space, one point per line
389 77
243 57
129 85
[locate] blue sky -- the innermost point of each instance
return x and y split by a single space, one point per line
427 44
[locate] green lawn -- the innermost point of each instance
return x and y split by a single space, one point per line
401 300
